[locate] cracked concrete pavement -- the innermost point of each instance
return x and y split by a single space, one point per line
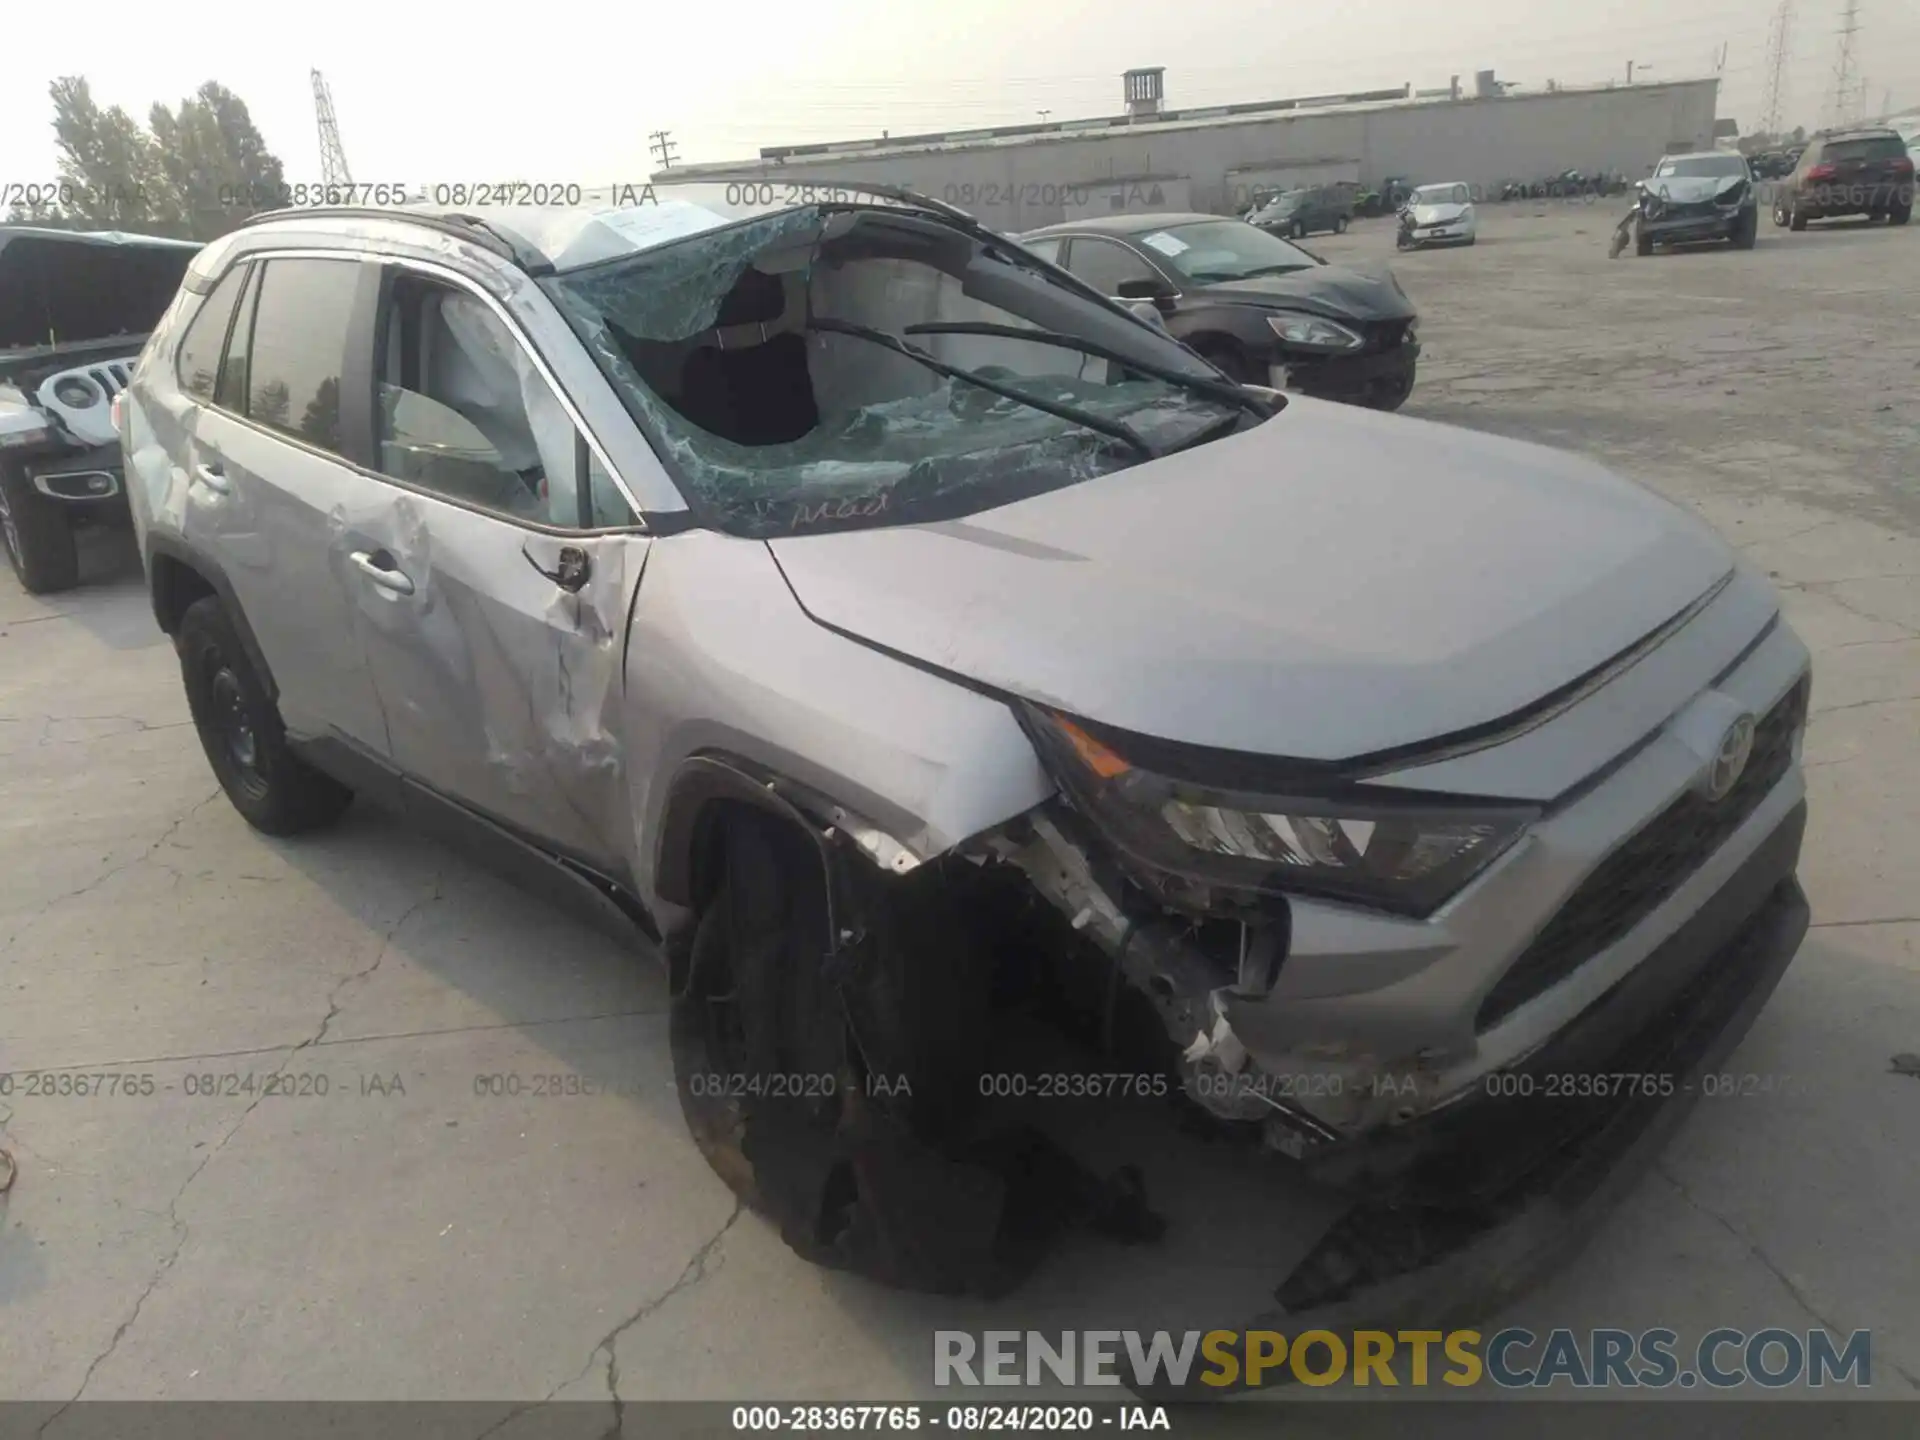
306 1185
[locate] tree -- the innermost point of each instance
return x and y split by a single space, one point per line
109 168
199 173
217 165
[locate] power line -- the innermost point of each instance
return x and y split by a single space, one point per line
662 148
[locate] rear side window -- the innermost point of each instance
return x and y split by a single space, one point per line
198 364
299 346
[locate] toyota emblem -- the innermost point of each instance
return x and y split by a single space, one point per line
1735 747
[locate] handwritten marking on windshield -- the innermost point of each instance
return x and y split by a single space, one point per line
858 507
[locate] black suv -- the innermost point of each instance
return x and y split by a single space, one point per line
75 309
1301 212
1863 171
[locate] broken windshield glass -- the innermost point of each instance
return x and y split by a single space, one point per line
747 356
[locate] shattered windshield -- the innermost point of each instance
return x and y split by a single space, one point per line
825 368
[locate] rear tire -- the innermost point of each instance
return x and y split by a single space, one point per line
1340 225
1642 243
1779 215
37 535
274 790
1796 218
1747 232
1900 214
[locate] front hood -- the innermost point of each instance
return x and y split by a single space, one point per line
1331 583
1438 214
1690 189
1328 289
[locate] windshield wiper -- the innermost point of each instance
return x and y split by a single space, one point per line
1213 430
1224 391
1114 429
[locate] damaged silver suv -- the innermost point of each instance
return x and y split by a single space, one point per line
916 642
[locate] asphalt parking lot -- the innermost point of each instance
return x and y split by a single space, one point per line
391 1227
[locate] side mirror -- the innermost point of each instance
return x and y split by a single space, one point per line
1144 289
1148 312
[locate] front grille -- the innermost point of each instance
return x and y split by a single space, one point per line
1695 210
1646 869
1385 334
111 378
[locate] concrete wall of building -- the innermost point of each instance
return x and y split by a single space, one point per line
1146 195
1479 141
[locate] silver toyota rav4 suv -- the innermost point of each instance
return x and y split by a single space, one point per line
907 637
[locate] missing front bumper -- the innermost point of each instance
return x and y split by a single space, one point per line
1476 1203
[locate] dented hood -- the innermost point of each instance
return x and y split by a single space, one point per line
1331 583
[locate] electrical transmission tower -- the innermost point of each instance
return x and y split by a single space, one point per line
662 147
333 159
1779 50
1847 93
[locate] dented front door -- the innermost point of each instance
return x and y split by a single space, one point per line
500 679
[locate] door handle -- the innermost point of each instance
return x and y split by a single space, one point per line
213 478
386 575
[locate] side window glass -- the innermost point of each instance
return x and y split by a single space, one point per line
1045 249
299 347
463 413
232 391
197 366
1104 265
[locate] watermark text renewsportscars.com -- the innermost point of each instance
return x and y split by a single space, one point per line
1511 1359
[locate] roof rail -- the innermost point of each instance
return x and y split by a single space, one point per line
485 233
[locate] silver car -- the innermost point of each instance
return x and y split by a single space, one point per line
891 625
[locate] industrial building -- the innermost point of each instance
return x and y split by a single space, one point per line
1219 159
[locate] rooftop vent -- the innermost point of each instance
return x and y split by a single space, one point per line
1144 90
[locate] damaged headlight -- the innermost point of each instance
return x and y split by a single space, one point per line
1312 332
1403 853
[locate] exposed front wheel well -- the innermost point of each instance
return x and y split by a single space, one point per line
1229 355
176 585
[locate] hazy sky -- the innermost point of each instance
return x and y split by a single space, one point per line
569 94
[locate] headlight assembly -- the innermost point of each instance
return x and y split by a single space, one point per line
1312 332
1394 851
76 393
